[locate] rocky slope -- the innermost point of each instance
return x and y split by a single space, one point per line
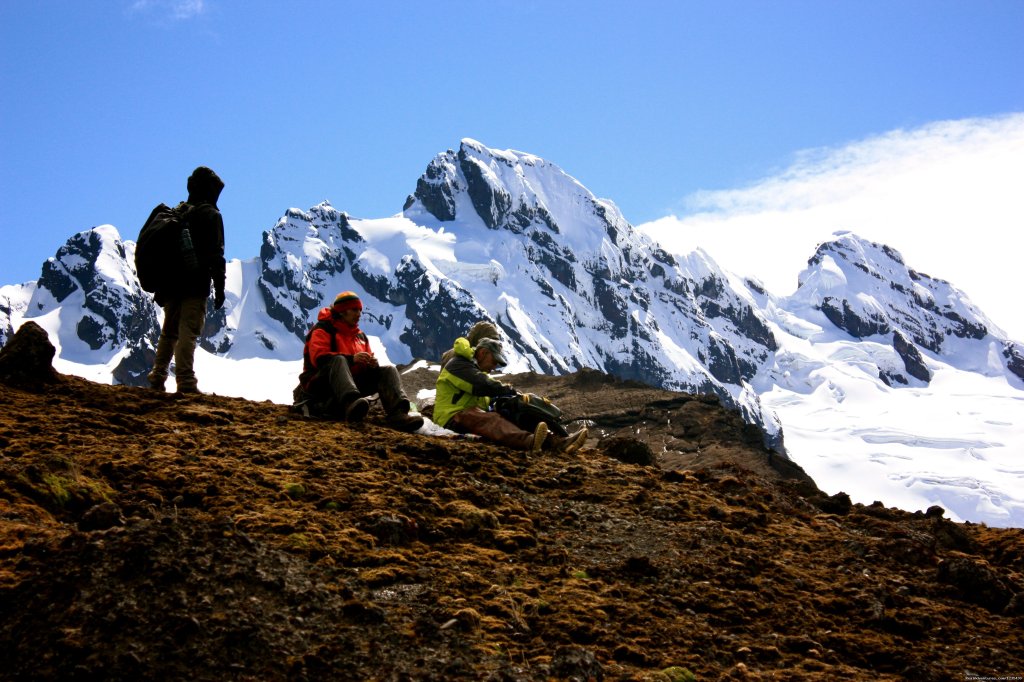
147 535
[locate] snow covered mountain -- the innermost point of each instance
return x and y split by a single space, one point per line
509 237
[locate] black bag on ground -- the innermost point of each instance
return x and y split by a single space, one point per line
164 250
309 405
526 410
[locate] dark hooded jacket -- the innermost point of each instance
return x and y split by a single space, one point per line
207 229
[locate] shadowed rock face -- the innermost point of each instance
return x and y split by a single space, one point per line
92 270
1014 354
26 360
913 361
858 325
151 536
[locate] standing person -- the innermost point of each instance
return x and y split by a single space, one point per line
464 392
184 298
339 368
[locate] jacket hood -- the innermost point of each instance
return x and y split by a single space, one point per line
462 348
204 186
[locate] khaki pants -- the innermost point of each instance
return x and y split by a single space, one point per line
183 323
491 426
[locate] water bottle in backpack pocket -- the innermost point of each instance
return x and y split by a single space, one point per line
188 252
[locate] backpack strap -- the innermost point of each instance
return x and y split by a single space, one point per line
308 370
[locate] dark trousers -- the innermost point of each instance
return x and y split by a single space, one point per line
337 382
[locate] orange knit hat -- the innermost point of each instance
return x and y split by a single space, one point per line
347 300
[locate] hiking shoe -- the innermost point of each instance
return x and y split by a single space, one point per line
573 442
403 421
357 409
540 434
156 381
194 390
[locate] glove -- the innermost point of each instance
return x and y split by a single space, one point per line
509 392
218 300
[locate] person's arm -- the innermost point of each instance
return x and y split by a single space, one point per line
478 382
320 347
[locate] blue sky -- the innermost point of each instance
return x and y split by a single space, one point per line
108 105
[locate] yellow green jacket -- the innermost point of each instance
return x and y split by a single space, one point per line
462 385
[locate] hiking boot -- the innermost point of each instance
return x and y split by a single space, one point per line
540 434
403 421
157 381
573 442
194 390
357 409
567 444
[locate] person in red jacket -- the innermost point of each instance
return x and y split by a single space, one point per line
340 368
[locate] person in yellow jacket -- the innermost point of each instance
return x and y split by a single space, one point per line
464 392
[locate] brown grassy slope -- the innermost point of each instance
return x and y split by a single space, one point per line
151 536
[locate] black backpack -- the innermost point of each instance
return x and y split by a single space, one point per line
526 410
164 251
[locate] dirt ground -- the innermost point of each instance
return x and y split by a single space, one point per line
155 536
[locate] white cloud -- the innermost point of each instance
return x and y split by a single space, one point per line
949 196
173 9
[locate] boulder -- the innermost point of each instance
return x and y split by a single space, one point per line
27 359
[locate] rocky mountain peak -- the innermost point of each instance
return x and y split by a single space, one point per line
92 277
867 290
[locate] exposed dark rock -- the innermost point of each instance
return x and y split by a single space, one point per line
976 583
913 361
626 449
377 285
435 190
135 366
492 203
843 316
26 360
438 319
839 503
575 664
1014 354
722 362
963 328
92 331
612 306
891 378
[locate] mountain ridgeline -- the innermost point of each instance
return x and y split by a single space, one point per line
511 238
